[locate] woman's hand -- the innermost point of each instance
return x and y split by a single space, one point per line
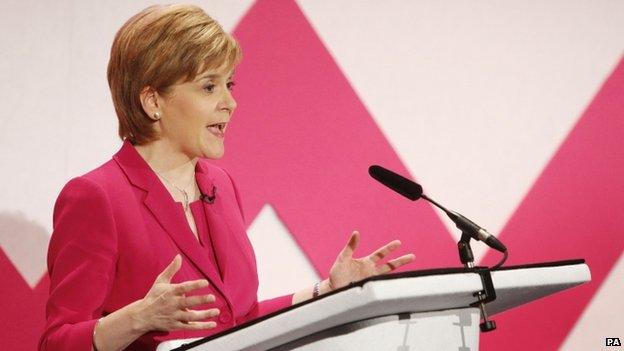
165 307
348 269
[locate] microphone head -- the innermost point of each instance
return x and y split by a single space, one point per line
396 182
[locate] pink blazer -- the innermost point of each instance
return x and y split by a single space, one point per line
117 227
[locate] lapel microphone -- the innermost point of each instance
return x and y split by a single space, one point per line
210 199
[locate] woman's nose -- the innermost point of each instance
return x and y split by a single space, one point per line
228 102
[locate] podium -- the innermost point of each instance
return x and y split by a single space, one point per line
419 310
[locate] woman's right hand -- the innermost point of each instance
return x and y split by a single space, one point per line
166 306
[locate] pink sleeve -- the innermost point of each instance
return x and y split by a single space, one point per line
269 306
81 265
265 307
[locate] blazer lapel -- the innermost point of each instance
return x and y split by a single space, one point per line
219 231
165 210
227 230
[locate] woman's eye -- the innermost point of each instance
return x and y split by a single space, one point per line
209 88
230 85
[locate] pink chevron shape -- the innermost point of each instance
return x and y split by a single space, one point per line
575 209
22 308
301 140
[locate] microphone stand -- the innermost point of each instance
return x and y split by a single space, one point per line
466 257
465 251
469 229
488 293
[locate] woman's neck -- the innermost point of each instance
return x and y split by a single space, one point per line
168 161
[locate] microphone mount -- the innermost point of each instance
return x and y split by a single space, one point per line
209 199
469 229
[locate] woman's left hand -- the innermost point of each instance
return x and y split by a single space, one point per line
348 269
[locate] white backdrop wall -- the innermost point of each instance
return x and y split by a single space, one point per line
489 89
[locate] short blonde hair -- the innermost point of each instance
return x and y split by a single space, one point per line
158 47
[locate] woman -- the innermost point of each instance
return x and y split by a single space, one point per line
151 246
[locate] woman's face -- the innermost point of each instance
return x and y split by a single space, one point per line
195 114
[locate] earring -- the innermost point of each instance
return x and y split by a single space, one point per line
156 116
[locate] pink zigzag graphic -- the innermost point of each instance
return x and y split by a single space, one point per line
23 308
573 210
302 141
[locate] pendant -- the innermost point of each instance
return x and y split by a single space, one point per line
186 200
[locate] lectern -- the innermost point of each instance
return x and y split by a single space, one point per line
419 310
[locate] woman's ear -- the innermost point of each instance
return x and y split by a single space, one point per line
149 102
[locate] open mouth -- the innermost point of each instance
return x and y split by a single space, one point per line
217 129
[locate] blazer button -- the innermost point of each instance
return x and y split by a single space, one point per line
225 317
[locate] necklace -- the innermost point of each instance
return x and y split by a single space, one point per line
181 190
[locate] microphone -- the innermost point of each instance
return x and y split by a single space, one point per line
396 182
210 199
477 232
414 191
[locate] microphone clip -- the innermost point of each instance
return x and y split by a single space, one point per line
209 199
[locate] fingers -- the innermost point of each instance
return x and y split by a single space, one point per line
351 245
396 263
188 286
384 251
170 271
193 315
196 325
196 300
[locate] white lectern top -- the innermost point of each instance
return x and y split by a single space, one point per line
409 292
